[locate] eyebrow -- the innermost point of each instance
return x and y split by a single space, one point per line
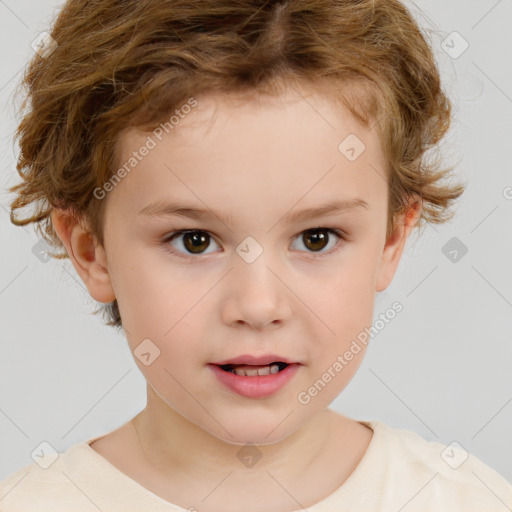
169 209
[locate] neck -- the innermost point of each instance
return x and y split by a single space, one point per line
173 444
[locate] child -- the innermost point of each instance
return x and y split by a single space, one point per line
235 181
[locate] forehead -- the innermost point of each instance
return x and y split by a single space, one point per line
301 142
301 109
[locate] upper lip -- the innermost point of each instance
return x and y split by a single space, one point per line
255 360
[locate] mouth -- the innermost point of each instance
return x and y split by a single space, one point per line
255 381
246 370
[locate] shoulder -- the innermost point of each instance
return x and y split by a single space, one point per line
77 480
54 480
446 474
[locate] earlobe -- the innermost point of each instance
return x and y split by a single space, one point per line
394 247
88 257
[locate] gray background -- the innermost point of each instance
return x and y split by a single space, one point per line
441 368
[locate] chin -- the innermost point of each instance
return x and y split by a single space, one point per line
254 431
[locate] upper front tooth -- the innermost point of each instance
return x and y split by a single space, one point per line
253 372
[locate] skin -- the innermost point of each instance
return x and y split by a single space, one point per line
257 160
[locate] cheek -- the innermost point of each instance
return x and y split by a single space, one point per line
156 305
348 300
149 292
167 352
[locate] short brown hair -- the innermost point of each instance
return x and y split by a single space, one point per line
130 63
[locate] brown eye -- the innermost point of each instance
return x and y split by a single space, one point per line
193 242
197 242
316 239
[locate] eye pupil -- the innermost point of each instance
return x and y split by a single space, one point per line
197 239
318 237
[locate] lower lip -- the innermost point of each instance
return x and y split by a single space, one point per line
260 386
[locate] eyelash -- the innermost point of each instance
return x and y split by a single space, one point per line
171 236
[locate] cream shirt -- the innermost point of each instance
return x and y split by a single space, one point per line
400 471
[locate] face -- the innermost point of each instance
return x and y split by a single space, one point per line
251 275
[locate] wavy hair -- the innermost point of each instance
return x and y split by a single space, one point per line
130 63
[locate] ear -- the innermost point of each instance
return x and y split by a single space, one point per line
394 247
88 257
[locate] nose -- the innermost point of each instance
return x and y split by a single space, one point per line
255 295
